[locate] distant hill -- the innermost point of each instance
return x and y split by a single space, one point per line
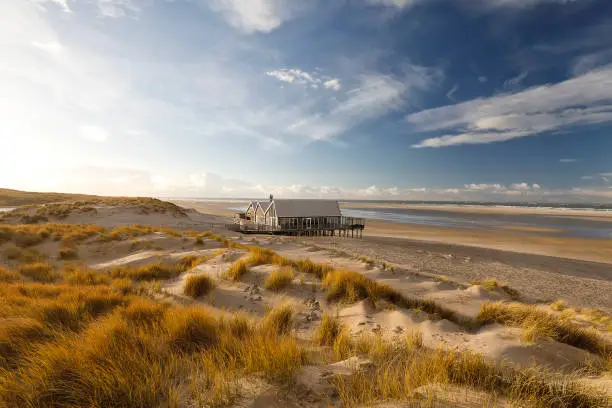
16 198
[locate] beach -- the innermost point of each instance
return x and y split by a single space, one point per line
528 260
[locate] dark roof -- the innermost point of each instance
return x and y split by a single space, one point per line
306 208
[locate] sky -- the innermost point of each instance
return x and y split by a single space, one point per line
494 100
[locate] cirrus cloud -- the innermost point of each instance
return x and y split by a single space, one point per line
583 100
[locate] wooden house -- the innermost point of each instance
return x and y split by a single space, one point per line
297 217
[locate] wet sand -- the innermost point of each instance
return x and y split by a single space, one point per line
477 209
596 250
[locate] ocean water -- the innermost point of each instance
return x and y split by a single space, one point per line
564 226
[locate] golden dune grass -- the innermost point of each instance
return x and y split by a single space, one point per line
128 351
198 285
279 279
398 369
540 324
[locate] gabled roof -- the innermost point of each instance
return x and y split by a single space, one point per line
307 208
263 204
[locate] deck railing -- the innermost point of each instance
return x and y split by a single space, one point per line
344 224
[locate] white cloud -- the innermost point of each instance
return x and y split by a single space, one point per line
52 47
394 3
482 79
376 95
63 4
332 84
300 77
450 93
94 133
401 4
482 187
578 101
589 62
516 81
117 8
254 15
568 160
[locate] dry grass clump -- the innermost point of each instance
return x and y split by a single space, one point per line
368 261
84 276
348 287
39 272
29 235
154 271
8 276
236 271
141 355
399 369
33 219
122 285
23 255
191 330
279 320
138 244
16 335
492 284
307 266
559 305
198 285
540 324
68 253
279 279
259 256
328 330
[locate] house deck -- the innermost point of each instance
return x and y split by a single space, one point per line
348 226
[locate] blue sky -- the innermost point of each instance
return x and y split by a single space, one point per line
383 99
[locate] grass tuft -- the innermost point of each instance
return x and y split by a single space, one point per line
279 279
198 285
492 284
68 253
237 270
81 276
39 272
398 370
559 305
191 330
8 276
348 287
279 320
328 330
540 324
